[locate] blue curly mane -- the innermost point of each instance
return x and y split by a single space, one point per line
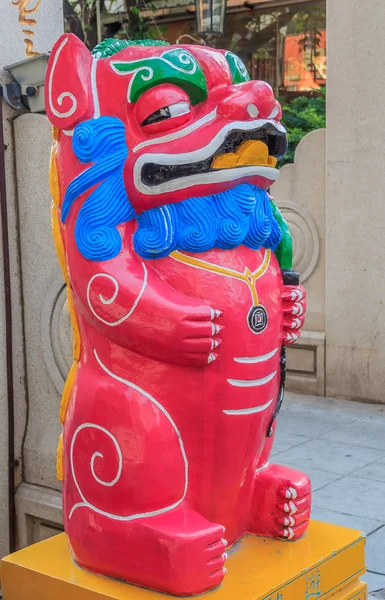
100 141
242 215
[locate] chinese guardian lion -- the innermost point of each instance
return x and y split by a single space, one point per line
182 299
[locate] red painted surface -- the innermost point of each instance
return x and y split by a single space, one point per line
158 469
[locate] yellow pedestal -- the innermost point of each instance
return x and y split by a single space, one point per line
326 563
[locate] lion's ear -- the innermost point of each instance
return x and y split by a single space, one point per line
68 90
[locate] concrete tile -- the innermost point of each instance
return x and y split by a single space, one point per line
318 478
334 405
359 497
367 432
380 595
284 441
312 420
375 582
375 551
375 471
333 457
335 517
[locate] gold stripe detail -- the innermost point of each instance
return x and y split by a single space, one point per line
247 276
59 246
59 459
67 391
55 193
74 323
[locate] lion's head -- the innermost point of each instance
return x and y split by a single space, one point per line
187 128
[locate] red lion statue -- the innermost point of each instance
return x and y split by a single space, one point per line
182 298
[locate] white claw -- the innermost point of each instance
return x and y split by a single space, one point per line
224 570
212 313
291 337
297 309
296 295
291 493
290 508
286 522
293 508
295 323
224 556
291 521
224 541
215 329
211 357
291 533
285 533
218 313
214 344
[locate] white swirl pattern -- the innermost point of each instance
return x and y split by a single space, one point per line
140 72
240 66
87 503
146 72
108 301
185 59
64 95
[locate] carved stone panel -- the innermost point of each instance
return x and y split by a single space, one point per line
306 245
56 333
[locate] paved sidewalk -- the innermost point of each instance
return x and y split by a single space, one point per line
341 446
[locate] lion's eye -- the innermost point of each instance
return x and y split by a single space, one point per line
167 112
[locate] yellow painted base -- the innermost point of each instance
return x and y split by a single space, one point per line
326 563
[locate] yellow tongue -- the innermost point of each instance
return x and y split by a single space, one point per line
252 152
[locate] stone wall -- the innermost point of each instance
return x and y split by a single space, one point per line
17 335
300 194
40 277
26 28
355 206
48 343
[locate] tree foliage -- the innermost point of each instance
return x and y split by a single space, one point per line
309 25
81 19
300 116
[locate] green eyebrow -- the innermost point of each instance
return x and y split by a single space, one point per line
238 69
177 66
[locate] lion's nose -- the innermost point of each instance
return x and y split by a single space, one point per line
250 100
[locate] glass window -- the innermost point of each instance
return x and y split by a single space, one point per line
285 46
280 41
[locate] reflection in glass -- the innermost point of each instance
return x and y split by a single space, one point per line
210 16
285 46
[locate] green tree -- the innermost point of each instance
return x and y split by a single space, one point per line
119 18
300 116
